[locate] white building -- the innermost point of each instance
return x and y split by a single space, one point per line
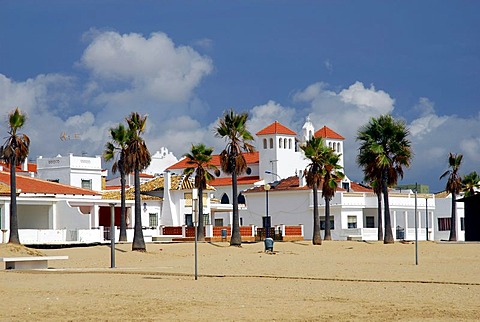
77 171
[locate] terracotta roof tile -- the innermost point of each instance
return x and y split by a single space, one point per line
292 183
276 128
251 158
328 133
34 185
227 181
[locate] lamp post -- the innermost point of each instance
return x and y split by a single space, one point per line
416 227
195 224
426 215
267 218
273 174
112 235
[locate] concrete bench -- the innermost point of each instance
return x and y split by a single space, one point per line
354 237
31 262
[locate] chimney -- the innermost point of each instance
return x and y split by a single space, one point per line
301 178
167 179
25 165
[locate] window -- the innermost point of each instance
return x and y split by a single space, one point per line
280 143
225 200
322 223
271 143
346 186
54 180
264 143
285 143
153 220
370 222
87 184
188 199
219 222
444 224
352 221
290 144
241 199
462 224
338 147
206 219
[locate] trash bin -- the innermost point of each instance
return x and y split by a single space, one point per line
224 234
400 233
268 244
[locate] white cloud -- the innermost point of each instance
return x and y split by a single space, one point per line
328 65
151 66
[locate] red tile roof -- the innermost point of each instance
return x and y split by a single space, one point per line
292 183
31 167
328 133
33 185
226 181
251 158
276 128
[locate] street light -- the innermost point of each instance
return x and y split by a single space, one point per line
426 214
267 218
273 174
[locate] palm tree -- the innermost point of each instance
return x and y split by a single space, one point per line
454 186
137 158
331 176
470 182
315 150
232 127
14 151
377 189
384 151
116 150
198 160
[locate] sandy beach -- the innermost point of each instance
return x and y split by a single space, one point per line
339 281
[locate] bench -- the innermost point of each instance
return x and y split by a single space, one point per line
354 237
31 262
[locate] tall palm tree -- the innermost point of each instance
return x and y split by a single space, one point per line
232 127
331 175
385 149
315 150
198 160
14 151
137 158
454 186
377 189
116 150
470 182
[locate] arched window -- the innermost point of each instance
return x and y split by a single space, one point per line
290 144
225 200
280 143
264 143
271 143
338 147
310 134
334 146
329 144
285 143
241 199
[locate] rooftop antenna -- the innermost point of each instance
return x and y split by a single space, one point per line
64 136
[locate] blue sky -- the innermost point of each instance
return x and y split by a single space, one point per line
82 66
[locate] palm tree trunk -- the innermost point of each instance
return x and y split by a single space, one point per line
328 234
379 216
236 239
123 224
453 220
138 241
388 225
14 237
317 238
200 232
